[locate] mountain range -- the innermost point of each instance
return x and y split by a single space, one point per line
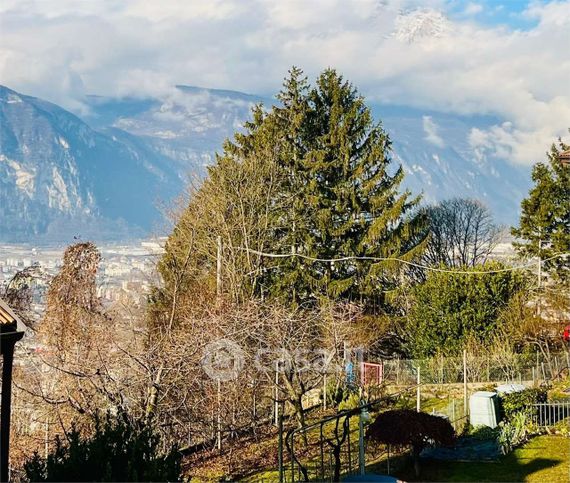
109 172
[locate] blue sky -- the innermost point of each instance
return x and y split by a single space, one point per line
494 13
506 59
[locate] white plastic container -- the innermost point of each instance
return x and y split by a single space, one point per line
484 409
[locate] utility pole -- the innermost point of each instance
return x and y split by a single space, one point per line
539 263
293 253
276 410
219 269
219 433
538 308
465 406
418 390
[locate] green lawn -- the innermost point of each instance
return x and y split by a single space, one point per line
544 459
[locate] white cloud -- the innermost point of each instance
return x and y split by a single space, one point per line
431 130
399 51
473 8
506 142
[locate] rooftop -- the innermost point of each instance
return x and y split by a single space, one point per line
7 316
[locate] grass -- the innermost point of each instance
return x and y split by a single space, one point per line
544 459
255 459
265 465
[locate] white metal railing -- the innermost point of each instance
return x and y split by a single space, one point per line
549 414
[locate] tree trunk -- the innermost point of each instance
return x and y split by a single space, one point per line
153 394
300 415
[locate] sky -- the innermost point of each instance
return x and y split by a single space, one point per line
509 59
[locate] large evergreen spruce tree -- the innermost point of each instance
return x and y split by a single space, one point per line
346 199
544 228
335 194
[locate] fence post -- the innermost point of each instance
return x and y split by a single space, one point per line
418 391
325 391
398 371
280 454
533 377
465 407
276 406
361 452
543 372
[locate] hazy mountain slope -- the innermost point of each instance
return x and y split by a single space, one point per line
190 124
105 175
441 163
56 171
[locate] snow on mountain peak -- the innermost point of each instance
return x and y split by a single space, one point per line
420 24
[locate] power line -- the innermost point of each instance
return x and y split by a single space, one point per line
395 259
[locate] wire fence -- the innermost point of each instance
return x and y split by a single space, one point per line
535 368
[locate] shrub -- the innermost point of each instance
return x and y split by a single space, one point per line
404 427
518 412
563 427
336 394
450 309
514 432
119 450
352 401
521 401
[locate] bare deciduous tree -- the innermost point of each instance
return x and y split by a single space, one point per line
77 371
462 233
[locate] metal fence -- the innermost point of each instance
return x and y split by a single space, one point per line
455 412
333 446
551 413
